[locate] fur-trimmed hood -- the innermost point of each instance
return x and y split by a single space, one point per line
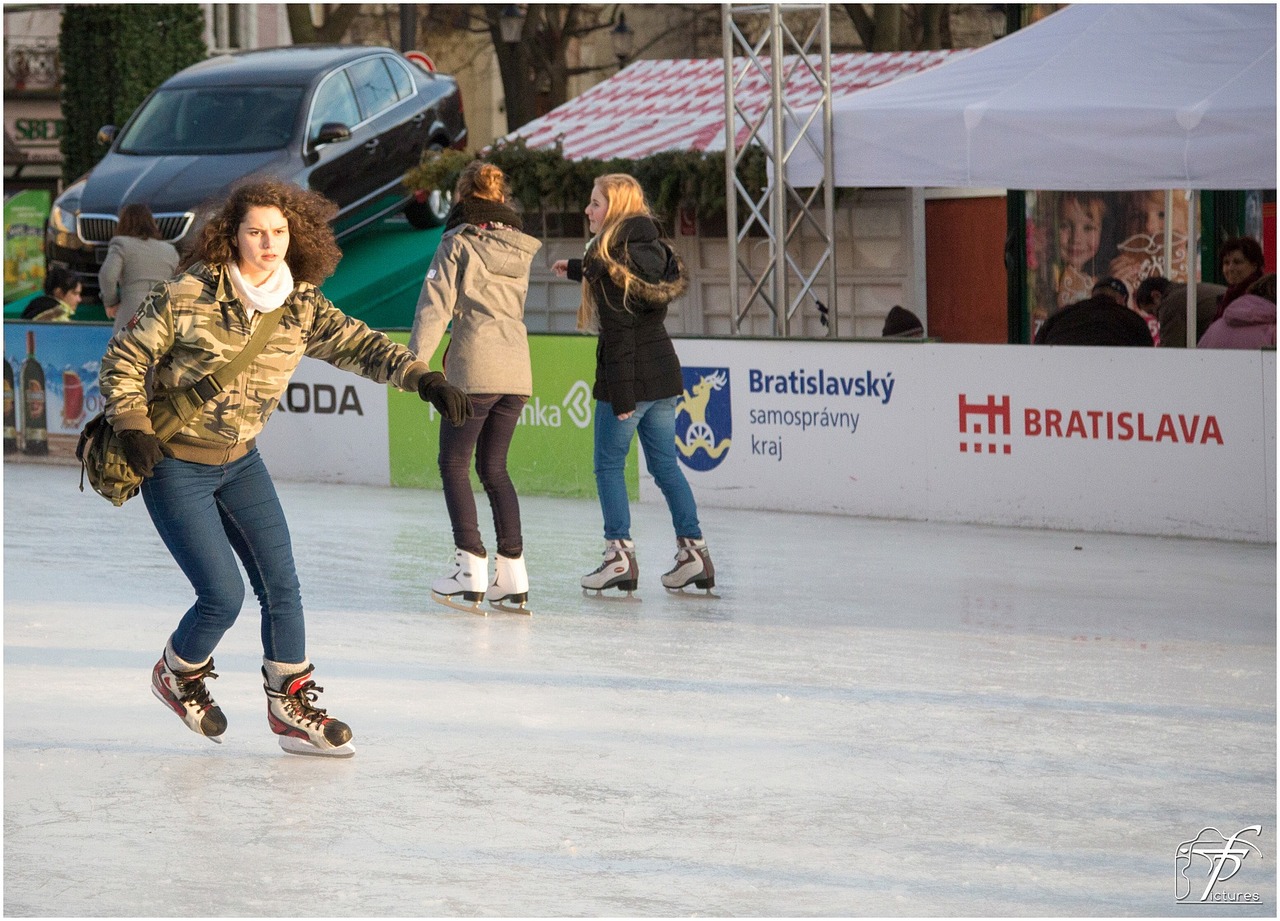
674 283
647 267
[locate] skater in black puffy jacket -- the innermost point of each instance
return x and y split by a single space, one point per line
629 275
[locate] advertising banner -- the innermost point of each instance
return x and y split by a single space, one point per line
51 370
804 426
1101 439
330 427
1178 442
25 213
551 453
1118 440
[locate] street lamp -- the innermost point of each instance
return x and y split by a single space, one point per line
511 22
623 38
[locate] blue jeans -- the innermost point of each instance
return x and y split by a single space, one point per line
656 422
487 435
208 516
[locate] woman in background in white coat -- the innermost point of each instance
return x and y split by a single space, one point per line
478 281
137 258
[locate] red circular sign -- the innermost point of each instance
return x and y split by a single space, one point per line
422 59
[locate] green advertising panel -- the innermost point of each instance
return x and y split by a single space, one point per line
551 451
24 215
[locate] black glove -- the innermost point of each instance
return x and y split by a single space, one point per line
141 450
452 403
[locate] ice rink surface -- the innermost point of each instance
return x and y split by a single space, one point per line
878 718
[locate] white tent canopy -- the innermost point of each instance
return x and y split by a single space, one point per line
1093 97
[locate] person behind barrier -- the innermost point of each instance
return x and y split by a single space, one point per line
1241 260
1115 289
1249 322
901 323
1167 302
60 299
629 275
479 279
136 259
1102 319
259 259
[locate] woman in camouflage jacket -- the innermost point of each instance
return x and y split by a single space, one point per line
207 490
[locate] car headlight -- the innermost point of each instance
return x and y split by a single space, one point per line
62 216
62 219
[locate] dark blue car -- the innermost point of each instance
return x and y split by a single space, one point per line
346 121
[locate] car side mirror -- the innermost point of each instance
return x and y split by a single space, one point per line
330 132
106 134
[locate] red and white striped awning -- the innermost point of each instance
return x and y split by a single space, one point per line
653 106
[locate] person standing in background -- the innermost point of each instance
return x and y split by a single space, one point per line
629 275
479 279
136 259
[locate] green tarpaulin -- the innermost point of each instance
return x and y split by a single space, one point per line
381 273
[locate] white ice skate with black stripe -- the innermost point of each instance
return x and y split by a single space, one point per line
509 592
464 588
619 570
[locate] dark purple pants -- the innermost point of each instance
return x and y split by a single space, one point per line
487 435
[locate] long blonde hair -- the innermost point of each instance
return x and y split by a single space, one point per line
623 198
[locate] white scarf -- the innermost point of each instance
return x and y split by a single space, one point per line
265 297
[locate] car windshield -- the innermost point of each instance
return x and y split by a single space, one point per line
213 120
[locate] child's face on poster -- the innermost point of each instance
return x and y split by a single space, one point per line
1079 232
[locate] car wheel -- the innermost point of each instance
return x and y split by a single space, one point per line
430 212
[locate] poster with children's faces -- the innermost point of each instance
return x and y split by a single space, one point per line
1076 238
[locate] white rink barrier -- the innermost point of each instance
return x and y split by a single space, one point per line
1169 442
1163 442
330 427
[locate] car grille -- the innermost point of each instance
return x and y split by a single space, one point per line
100 228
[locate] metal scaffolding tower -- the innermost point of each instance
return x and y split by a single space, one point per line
792 68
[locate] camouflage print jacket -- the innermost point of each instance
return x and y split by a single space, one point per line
193 324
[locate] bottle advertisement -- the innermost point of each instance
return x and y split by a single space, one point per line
51 385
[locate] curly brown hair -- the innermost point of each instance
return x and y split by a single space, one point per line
313 253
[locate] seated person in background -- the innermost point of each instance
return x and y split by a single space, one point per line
1103 319
1150 293
1167 301
60 299
1241 259
901 323
1249 322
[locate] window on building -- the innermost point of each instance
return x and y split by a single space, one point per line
229 27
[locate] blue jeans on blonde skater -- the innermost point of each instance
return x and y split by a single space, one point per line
654 422
210 517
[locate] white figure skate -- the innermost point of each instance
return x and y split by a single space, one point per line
509 591
464 588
